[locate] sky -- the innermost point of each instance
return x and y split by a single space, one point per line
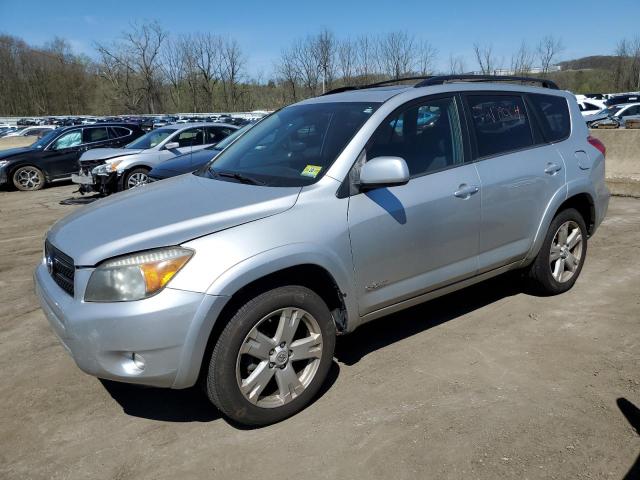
264 28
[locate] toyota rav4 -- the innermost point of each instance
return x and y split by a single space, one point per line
328 214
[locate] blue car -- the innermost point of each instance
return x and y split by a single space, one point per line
190 162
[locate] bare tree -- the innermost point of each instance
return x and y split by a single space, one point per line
365 58
487 61
396 54
231 65
325 53
307 64
427 54
548 50
288 71
173 68
207 52
347 60
522 60
456 64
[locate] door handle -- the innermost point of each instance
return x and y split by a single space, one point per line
552 168
465 191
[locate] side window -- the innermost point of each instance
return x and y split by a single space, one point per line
427 135
96 134
215 134
553 115
590 107
500 123
68 140
631 111
190 138
119 132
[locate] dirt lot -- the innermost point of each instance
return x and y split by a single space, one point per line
486 383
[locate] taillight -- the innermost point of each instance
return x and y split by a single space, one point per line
598 144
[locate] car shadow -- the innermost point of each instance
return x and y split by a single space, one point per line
187 405
632 414
192 405
396 327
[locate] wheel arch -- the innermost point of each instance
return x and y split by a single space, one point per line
581 200
311 275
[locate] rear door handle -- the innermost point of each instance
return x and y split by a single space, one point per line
465 191
552 168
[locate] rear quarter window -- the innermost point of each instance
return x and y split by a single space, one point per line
500 123
553 114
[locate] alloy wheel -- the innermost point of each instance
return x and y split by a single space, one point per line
137 179
279 357
29 178
566 251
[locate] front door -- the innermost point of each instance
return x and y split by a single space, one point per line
410 239
61 157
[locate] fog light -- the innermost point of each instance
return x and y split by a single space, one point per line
138 361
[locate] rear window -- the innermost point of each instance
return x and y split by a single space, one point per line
500 123
553 112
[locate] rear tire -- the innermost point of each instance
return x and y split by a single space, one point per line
562 255
272 357
28 178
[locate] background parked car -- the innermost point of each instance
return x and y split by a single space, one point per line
619 113
109 170
37 131
55 156
620 99
192 161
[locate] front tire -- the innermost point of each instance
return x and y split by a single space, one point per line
562 255
135 178
272 357
28 178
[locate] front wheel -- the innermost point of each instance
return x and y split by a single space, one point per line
136 178
28 178
272 357
562 255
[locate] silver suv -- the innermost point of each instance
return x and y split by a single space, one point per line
325 215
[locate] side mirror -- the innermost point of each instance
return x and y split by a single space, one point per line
171 145
383 172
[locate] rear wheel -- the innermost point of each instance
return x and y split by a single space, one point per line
272 357
136 178
28 178
562 255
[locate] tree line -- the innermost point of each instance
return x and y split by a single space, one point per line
147 70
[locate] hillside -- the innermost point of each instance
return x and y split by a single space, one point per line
594 62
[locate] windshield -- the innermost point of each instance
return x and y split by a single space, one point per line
292 147
222 144
609 111
151 139
45 139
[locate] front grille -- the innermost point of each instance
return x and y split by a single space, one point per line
60 267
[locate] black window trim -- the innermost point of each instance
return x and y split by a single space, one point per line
534 122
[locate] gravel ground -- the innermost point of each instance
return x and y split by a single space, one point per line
486 383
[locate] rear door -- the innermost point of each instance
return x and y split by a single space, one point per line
409 239
519 173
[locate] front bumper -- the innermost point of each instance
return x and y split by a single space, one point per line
3 176
165 330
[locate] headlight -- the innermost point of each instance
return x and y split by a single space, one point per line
136 276
106 168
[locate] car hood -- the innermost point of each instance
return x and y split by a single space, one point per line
107 153
12 152
170 212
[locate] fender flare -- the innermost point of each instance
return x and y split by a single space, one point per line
569 190
241 274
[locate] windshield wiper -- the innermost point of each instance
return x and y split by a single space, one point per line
236 176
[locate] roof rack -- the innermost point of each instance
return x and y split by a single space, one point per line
376 84
442 79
